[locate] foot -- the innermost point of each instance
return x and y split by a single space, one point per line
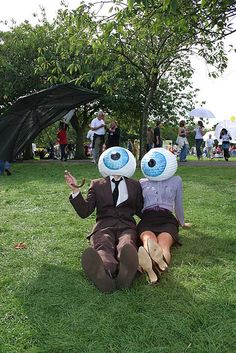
145 263
8 172
94 269
128 266
156 254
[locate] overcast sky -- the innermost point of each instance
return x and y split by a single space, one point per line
219 93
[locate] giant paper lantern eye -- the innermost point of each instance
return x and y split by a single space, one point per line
117 161
159 164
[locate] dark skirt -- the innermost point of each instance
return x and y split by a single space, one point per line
159 222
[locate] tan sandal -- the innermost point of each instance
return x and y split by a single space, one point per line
145 263
156 254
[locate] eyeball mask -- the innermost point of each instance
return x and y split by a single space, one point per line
117 161
158 164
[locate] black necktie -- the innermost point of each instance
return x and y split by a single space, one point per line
115 193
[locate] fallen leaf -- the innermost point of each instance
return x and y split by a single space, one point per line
20 246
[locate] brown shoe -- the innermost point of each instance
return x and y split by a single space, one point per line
156 254
146 264
128 266
94 269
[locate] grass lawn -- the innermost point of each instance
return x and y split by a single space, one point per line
48 306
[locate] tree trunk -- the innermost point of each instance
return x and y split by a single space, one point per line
144 118
79 123
28 152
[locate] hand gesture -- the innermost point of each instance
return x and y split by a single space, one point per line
71 182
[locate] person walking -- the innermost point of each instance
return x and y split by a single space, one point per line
199 132
62 140
225 137
98 127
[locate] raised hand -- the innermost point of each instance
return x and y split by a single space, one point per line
71 182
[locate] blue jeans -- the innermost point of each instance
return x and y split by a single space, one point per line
63 152
183 153
198 147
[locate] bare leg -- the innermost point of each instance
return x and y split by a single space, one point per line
154 249
165 241
145 236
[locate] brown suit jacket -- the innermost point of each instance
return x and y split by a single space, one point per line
107 215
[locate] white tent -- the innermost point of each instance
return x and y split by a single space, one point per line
230 126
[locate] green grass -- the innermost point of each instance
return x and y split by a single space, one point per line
48 306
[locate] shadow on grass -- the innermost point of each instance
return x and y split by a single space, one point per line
67 314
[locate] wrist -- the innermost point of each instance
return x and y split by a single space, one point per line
75 190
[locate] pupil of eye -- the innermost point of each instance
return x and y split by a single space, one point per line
115 156
151 163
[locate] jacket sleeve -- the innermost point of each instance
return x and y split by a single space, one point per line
179 211
84 207
139 201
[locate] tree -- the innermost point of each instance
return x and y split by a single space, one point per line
153 46
18 53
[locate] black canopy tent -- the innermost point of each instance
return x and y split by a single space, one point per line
30 114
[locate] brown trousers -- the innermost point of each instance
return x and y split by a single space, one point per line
109 242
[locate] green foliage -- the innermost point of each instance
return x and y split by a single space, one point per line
138 57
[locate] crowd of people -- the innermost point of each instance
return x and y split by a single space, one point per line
209 148
102 135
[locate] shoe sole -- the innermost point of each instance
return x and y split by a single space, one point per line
128 267
145 263
156 254
94 270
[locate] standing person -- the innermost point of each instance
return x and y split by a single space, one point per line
182 141
111 262
225 137
113 135
90 138
157 135
209 146
159 227
98 127
62 140
130 146
136 149
199 132
150 138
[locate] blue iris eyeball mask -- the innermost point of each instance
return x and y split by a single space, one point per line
159 164
117 161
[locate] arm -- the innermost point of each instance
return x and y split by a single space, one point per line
139 201
96 128
179 211
83 207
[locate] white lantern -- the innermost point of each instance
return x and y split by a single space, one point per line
117 161
159 164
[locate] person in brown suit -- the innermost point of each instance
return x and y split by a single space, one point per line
111 262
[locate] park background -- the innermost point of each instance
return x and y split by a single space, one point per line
47 305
